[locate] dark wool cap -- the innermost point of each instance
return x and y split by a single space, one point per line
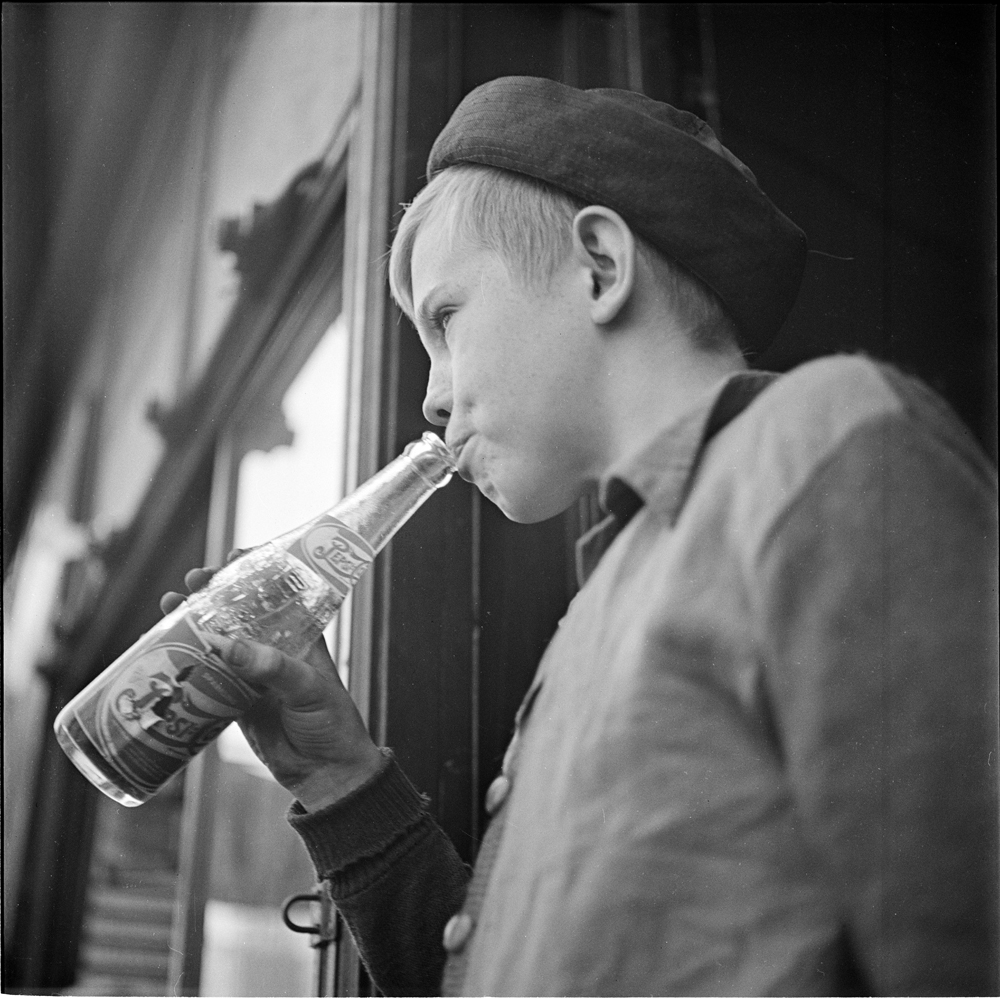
661 169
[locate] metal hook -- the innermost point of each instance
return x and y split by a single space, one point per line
286 909
326 932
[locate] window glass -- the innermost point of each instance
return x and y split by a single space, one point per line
287 87
257 860
288 485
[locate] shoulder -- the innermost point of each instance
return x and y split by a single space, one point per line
818 408
823 401
801 420
844 422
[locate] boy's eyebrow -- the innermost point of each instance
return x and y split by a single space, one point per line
425 311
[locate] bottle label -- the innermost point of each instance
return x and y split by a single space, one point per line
169 696
339 554
162 705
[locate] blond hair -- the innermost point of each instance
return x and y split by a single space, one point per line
529 225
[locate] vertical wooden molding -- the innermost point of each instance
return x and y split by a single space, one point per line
368 191
187 934
571 45
475 699
368 218
210 76
368 183
202 775
709 72
633 48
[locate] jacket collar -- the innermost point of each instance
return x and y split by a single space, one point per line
662 473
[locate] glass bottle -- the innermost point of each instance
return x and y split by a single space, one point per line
161 702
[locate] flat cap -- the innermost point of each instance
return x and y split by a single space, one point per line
663 170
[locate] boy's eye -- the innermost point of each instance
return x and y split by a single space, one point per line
441 319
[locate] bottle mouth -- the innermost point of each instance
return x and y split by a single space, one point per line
433 459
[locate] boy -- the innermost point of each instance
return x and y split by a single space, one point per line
756 755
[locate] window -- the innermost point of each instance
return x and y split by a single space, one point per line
256 860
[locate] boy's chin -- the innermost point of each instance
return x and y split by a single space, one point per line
525 508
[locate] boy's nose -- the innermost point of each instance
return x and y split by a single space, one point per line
437 401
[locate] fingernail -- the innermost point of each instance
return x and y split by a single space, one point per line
239 653
219 644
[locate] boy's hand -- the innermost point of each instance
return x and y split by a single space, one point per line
194 580
305 728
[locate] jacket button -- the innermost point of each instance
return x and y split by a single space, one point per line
497 793
457 931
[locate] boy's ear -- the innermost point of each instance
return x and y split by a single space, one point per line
604 246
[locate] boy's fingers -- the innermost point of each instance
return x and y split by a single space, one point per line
319 655
264 666
195 579
235 554
171 601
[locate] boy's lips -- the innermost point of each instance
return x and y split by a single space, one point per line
457 450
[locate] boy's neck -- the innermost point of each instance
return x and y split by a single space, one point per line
653 381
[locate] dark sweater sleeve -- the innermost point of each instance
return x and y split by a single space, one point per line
393 874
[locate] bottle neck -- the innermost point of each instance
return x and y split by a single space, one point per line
379 507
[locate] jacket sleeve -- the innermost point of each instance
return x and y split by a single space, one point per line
879 594
393 874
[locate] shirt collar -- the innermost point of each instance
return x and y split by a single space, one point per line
662 473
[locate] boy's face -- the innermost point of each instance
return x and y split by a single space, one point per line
513 374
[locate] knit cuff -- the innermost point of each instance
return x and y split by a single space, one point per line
363 823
